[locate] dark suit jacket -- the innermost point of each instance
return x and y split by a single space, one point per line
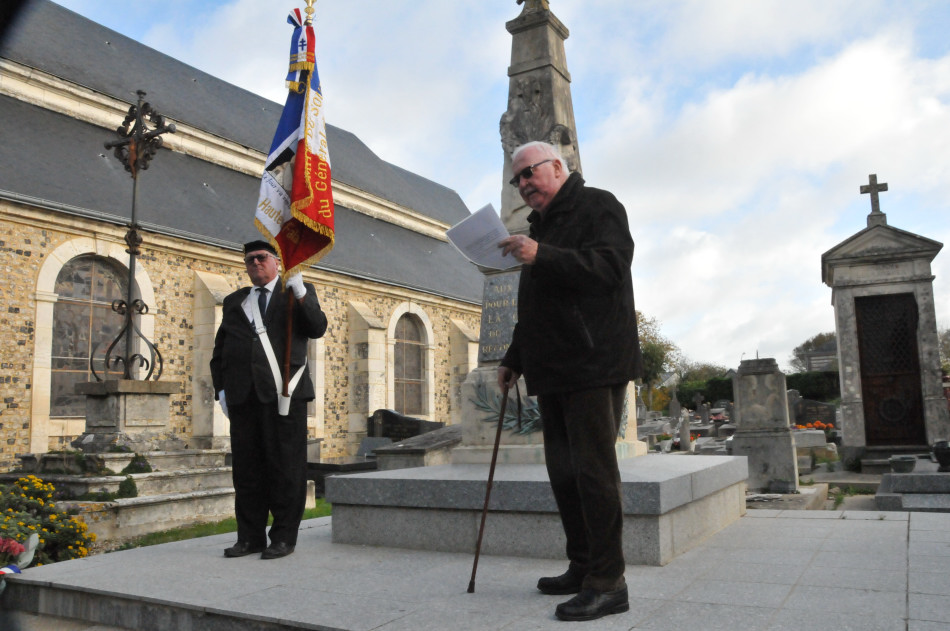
239 364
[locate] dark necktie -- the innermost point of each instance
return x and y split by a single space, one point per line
262 299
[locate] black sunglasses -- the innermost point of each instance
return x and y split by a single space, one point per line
256 258
527 172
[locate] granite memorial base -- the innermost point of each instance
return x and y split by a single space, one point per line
923 490
670 506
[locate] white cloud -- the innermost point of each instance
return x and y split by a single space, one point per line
734 197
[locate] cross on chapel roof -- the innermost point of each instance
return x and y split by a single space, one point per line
874 188
876 218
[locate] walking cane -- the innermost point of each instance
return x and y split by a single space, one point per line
491 475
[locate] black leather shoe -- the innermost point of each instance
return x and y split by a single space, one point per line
242 549
591 604
566 583
277 550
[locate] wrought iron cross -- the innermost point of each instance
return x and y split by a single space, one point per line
135 148
874 188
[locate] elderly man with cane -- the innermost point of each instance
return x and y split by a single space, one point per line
576 344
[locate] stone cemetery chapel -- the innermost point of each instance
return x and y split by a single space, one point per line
892 399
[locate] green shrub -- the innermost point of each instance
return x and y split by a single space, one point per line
818 386
138 464
127 488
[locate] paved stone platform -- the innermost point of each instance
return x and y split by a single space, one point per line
770 570
670 504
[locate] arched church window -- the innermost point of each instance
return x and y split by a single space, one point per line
409 365
83 321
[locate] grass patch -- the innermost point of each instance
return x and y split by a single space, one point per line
838 494
322 509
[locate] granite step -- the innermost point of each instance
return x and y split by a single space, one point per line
72 462
155 483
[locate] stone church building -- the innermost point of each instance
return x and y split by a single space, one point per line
403 305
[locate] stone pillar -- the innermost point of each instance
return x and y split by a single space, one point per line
367 371
209 427
128 414
539 108
464 358
762 429
539 99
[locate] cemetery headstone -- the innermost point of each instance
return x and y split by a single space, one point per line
397 427
675 408
697 401
763 433
808 412
685 443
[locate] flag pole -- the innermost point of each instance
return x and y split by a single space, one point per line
291 299
297 218
290 295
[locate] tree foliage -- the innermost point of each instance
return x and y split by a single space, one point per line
659 353
699 371
799 353
943 339
712 389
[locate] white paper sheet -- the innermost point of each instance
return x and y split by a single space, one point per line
477 237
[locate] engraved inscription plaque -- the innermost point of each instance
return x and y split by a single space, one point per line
499 314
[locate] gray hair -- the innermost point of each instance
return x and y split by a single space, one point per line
546 148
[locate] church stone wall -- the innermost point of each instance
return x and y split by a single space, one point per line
27 237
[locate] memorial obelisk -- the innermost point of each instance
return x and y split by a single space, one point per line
539 108
439 507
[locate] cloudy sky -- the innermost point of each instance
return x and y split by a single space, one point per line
736 132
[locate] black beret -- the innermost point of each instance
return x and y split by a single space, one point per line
254 246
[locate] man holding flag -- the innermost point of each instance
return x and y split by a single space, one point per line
259 363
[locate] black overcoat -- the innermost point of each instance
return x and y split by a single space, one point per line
577 324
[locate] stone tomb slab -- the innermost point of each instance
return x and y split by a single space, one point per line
670 506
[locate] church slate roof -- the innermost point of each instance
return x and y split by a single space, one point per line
58 161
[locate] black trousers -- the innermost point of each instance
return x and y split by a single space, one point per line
580 432
269 469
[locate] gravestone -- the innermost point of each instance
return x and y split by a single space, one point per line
642 411
794 396
675 407
698 401
808 411
762 429
397 427
886 331
684 436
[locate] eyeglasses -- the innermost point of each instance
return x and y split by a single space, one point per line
527 172
256 258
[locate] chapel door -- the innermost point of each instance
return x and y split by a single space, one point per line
890 370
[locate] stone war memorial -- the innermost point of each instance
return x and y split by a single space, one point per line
670 504
892 399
